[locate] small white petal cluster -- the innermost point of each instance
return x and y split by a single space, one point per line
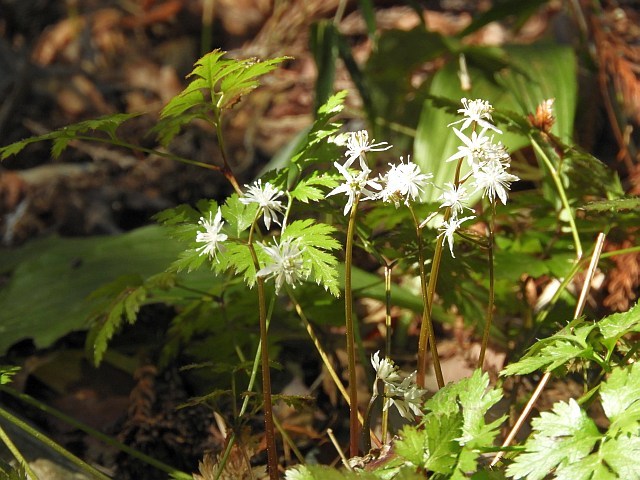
211 236
357 183
403 393
488 161
285 263
266 197
403 183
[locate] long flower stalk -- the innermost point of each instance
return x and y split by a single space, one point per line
354 425
489 321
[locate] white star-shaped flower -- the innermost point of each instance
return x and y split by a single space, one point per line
403 183
454 198
493 179
478 111
211 236
285 264
355 184
474 147
385 370
265 196
448 229
358 144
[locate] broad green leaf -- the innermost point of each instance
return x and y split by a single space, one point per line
522 9
563 436
50 278
323 45
621 456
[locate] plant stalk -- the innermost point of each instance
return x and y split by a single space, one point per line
354 426
487 326
17 455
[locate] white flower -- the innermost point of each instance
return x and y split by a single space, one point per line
285 264
493 179
478 111
406 396
265 196
358 144
474 148
448 228
211 235
454 198
385 370
403 182
355 184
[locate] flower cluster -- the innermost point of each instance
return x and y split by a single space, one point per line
285 263
403 393
211 236
403 183
266 197
488 162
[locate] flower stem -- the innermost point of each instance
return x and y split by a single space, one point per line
354 425
427 333
487 327
561 192
387 321
272 454
226 168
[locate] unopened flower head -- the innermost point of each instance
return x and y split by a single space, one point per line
448 229
285 263
358 144
265 196
493 179
403 183
454 198
356 184
211 236
474 148
478 111
406 396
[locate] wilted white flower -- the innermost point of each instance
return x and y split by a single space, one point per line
385 370
355 184
493 179
358 144
454 198
265 196
403 182
448 229
478 111
474 148
406 396
211 236
285 264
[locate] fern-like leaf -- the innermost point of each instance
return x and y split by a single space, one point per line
62 137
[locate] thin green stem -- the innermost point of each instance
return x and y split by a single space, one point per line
387 322
366 426
163 467
427 334
85 467
354 425
226 168
561 192
487 326
17 455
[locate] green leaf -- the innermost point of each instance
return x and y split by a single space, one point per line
238 215
237 257
316 241
7 372
306 190
62 137
620 396
621 456
560 437
555 351
223 80
615 326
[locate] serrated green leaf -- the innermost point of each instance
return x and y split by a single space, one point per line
7 372
476 398
63 136
306 190
620 396
237 257
316 241
621 456
411 445
238 215
560 437
615 326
